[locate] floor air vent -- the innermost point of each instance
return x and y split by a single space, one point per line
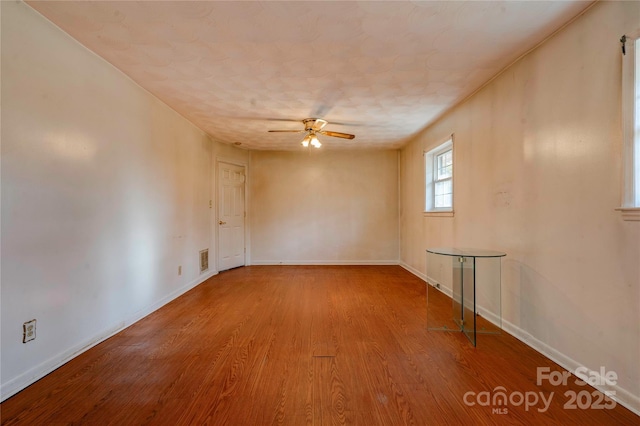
204 260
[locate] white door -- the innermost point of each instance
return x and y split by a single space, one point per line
231 216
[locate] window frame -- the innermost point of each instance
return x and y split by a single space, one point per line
630 207
437 179
430 179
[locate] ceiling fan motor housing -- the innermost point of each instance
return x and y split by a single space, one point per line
314 124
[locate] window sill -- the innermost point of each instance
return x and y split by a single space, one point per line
630 213
438 213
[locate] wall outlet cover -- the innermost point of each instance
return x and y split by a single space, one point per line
29 331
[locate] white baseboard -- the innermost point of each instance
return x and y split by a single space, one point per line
490 316
10 388
438 286
413 270
323 262
429 280
621 396
31 376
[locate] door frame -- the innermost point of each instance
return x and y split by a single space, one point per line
214 213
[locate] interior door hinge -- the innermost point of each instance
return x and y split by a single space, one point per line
623 40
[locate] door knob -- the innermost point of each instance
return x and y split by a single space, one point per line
222 223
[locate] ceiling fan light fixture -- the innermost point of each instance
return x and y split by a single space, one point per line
315 142
313 127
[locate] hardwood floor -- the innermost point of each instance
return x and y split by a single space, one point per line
299 346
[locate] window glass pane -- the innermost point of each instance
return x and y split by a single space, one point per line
439 178
447 200
443 187
636 130
443 194
444 165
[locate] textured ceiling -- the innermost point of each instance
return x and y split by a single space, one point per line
384 70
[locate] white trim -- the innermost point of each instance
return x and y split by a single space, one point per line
622 396
324 262
247 239
483 312
427 280
429 157
438 213
229 160
440 287
413 270
489 316
31 376
399 206
213 208
630 213
631 123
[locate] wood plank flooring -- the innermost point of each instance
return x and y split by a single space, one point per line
297 345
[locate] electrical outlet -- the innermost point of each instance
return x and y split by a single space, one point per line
180 270
29 331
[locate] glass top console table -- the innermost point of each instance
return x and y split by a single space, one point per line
463 291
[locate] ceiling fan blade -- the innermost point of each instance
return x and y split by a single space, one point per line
319 124
285 131
337 134
286 120
354 124
256 118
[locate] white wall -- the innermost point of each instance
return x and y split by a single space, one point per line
538 175
105 192
324 207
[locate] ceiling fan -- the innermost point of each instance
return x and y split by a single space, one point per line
313 127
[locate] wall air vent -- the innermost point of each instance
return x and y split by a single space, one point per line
204 260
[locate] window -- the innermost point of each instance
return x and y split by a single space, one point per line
443 180
631 118
439 180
